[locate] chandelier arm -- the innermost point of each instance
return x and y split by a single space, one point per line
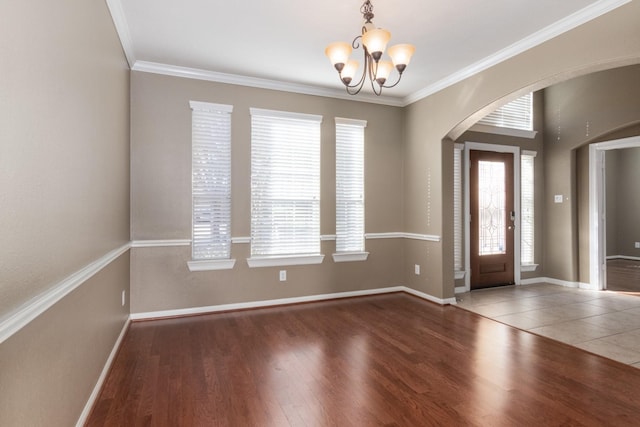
372 76
354 89
395 84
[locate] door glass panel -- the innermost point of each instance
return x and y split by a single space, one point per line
491 209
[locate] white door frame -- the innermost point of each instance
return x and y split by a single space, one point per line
597 207
515 150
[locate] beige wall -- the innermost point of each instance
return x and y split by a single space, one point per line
611 40
49 369
577 112
64 192
161 196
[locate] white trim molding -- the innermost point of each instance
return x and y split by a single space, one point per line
281 261
103 376
241 240
160 243
328 237
630 258
515 151
286 301
122 28
460 274
446 301
211 264
565 283
525 268
497 130
578 18
597 206
401 235
350 256
234 79
38 305
570 22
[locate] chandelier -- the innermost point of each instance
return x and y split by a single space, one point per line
373 41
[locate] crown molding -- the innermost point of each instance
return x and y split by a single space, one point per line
234 79
568 23
122 28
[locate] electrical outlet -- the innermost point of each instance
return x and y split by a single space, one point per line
416 269
283 275
637 246
558 198
124 297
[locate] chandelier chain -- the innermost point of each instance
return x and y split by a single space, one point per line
367 11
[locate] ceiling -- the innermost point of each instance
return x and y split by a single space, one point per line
280 43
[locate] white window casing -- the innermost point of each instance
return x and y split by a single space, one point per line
350 190
211 186
457 208
527 208
285 188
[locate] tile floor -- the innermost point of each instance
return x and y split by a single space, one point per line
601 322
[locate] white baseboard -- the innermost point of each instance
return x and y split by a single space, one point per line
103 375
284 301
451 301
460 289
565 283
630 258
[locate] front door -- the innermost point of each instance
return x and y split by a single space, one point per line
492 218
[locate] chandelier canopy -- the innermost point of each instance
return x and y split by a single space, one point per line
373 42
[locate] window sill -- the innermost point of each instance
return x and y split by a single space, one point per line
283 260
459 274
350 256
504 131
211 264
528 267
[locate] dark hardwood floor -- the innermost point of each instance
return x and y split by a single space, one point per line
388 360
623 275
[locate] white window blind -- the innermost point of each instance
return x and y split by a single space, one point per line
527 207
517 114
211 180
285 183
457 207
350 185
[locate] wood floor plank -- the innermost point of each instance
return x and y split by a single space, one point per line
387 360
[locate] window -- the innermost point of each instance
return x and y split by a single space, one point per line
527 207
517 114
457 209
350 190
211 186
285 188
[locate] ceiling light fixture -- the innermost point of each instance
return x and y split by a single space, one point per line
373 41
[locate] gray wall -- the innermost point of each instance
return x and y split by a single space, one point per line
161 196
578 112
64 192
623 201
434 122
